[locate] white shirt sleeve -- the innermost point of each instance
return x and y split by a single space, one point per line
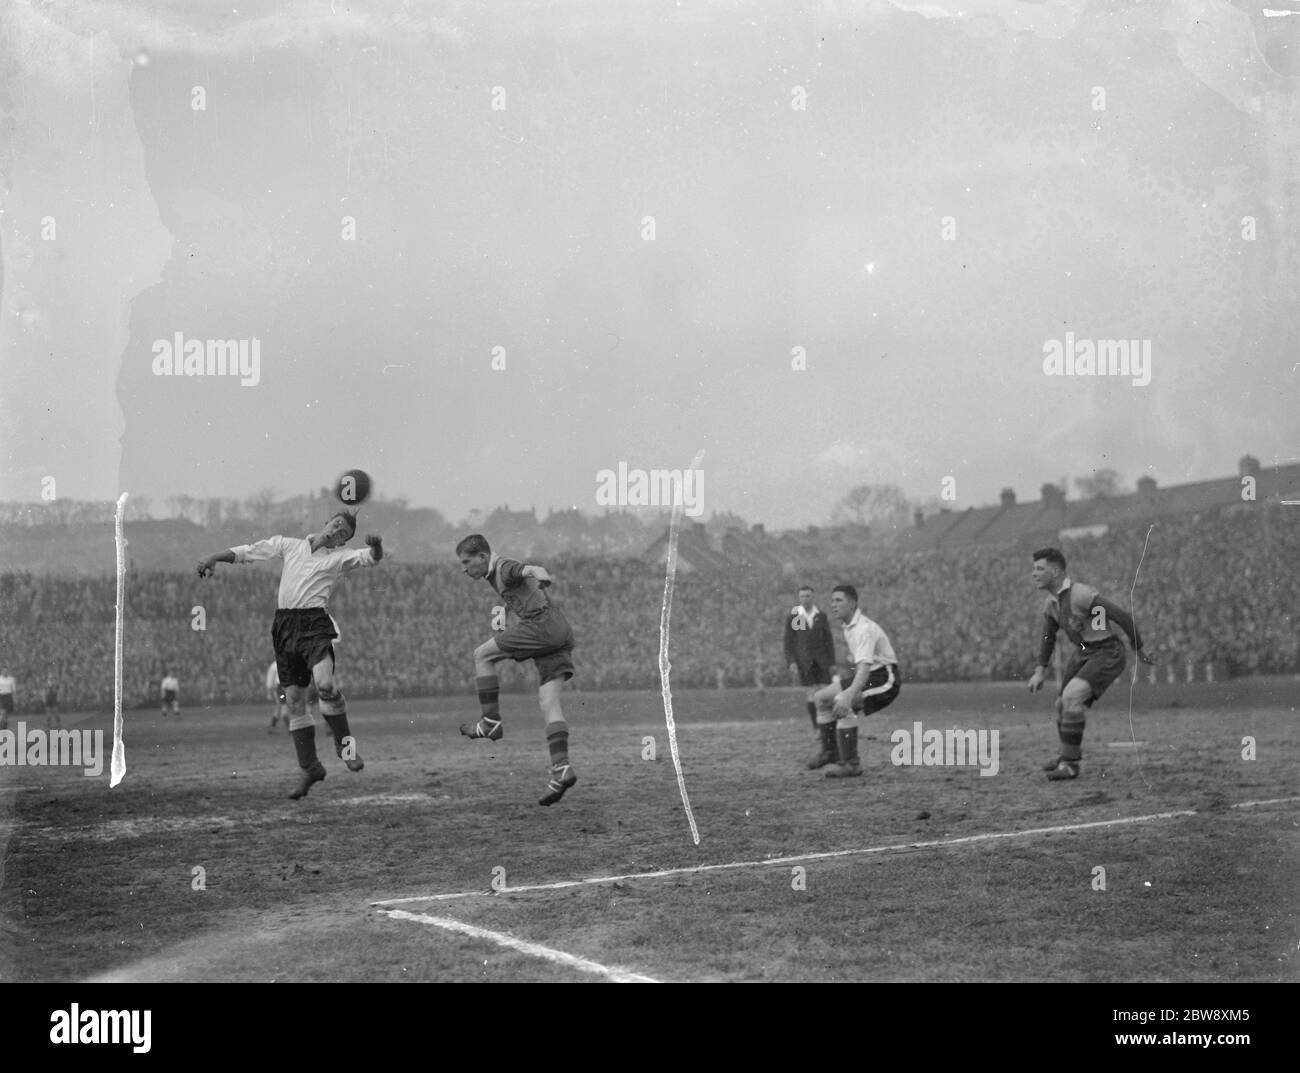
352 560
270 548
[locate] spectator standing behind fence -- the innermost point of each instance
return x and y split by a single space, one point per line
170 690
53 717
8 689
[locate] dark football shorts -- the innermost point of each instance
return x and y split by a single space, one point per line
7 703
169 695
882 687
815 674
302 637
1097 664
546 639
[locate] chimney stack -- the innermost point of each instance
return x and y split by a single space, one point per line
1248 466
1008 497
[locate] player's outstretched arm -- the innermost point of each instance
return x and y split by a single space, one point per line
376 544
209 565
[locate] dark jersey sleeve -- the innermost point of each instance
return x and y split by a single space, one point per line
1121 618
1047 643
509 571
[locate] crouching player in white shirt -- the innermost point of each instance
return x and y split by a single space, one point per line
874 686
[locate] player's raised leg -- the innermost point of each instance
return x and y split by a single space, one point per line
488 687
334 710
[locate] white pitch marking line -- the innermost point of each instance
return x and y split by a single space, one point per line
558 957
117 764
665 665
698 868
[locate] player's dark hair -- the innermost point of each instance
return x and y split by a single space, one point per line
474 544
1051 555
803 587
348 517
848 591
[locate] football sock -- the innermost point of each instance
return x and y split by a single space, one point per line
557 741
826 732
1073 717
812 713
489 692
304 743
847 735
338 725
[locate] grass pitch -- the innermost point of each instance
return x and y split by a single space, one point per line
197 867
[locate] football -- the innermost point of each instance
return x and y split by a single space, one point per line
353 487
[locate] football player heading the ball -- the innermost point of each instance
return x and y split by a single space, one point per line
542 634
303 632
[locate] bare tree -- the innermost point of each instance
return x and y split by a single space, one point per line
1102 483
872 504
260 507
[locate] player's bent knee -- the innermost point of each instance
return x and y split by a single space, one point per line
1073 713
848 722
332 702
295 699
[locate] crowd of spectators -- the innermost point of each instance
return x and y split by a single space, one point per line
1218 588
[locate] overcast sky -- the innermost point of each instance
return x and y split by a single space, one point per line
921 196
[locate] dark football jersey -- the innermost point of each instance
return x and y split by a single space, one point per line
521 593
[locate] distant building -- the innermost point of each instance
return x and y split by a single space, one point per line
1048 520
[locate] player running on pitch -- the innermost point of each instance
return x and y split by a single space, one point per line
1089 621
302 630
876 682
542 634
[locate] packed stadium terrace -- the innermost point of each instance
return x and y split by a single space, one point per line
1219 588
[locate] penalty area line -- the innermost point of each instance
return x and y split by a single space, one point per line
942 843
546 953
